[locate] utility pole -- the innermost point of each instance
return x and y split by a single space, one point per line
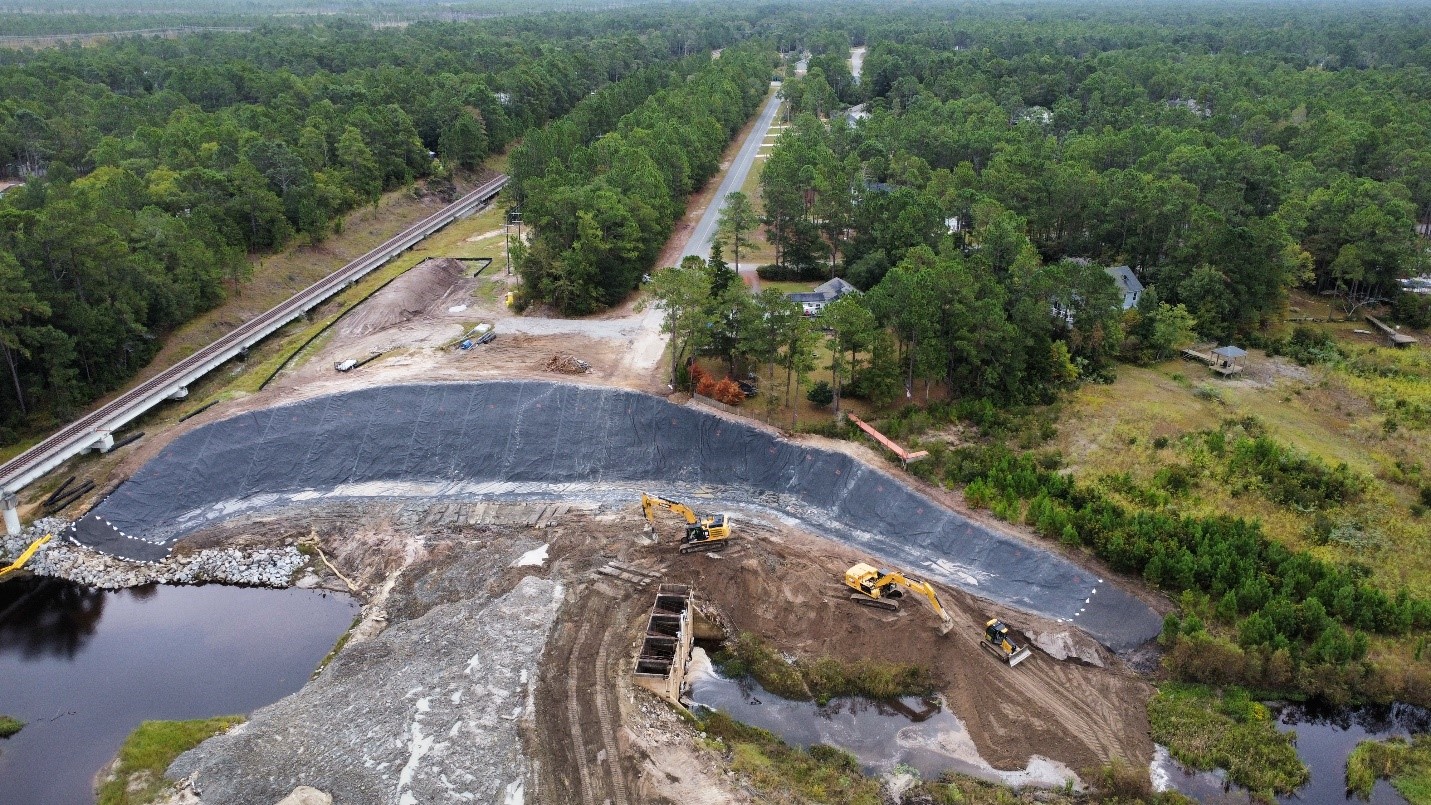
514 217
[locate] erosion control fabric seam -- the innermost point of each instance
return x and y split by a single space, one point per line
560 437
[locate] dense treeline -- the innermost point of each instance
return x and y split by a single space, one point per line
37 18
155 165
1225 155
995 321
602 207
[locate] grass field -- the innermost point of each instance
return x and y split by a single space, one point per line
148 751
1337 413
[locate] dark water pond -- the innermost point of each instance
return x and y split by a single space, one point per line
933 740
1325 738
911 731
82 667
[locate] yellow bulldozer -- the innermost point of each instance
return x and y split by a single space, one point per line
704 532
882 589
1001 645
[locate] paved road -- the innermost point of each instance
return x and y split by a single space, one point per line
700 242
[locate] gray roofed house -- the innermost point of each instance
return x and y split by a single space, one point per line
812 302
1127 283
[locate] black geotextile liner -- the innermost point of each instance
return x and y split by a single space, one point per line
548 434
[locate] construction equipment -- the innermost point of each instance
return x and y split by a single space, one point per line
881 589
997 640
704 532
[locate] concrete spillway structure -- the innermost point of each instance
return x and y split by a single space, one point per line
553 440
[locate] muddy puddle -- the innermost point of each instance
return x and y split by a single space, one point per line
83 667
914 732
1325 738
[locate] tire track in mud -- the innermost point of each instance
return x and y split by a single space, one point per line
608 735
587 713
574 720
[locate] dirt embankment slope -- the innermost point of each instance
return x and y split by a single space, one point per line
786 587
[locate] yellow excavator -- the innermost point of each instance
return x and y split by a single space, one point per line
997 640
704 532
881 589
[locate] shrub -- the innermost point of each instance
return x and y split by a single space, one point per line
1206 392
791 272
9 726
1120 781
1413 310
728 392
821 394
1308 346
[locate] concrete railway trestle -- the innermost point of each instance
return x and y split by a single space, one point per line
94 430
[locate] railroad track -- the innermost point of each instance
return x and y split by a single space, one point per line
81 434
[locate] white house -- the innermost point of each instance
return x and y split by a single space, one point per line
1128 283
812 302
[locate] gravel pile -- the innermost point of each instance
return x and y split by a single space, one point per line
260 567
428 711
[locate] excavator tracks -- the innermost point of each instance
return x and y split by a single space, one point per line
875 603
706 546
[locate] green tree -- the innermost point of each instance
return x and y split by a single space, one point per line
682 294
1167 328
463 141
357 159
737 219
19 307
851 327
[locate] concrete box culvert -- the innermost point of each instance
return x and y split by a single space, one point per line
548 439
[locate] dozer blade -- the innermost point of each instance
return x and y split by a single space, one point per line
1009 659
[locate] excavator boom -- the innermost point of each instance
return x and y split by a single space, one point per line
877 588
704 532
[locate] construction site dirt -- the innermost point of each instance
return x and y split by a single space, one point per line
591 735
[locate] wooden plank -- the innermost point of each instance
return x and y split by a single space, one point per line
1397 338
904 455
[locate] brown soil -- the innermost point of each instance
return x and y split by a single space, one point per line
418 290
784 586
